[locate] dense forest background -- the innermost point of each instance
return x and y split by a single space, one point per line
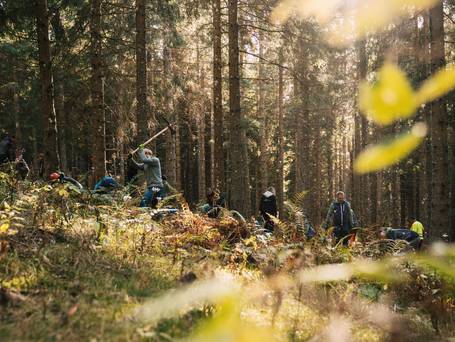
254 104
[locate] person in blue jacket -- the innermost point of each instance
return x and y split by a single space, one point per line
401 234
105 185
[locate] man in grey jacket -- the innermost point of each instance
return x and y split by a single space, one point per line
151 166
339 216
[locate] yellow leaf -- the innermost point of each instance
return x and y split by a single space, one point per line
347 22
391 98
370 16
4 228
228 325
437 85
381 156
6 206
62 192
321 10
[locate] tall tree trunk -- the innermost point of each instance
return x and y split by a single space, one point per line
98 156
17 111
374 195
170 162
394 179
364 180
298 142
317 169
428 114
142 113
280 183
424 160
262 117
178 160
200 117
239 191
361 137
51 157
201 154
217 97
61 124
440 202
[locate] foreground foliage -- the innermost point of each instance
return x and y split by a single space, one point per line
75 268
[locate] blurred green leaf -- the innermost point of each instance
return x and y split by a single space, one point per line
228 325
379 157
437 85
391 98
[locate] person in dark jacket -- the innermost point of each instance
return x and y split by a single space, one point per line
7 150
268 208
339 216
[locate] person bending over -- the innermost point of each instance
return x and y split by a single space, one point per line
401 234
106 185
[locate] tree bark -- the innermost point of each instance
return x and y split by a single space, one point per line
51 157
17 111
364 180
219 179
61 124
262 117
170 163
200 118
280 183
142 112
98 155
239 191
360 185
440 202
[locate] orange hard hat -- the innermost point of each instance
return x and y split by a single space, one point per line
54 176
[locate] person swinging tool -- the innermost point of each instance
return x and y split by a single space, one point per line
151 166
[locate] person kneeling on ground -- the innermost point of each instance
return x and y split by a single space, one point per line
340 217
268 208
151 166
402 234
105 185
21 166
61 178
214 204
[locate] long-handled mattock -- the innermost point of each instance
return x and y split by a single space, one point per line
168 127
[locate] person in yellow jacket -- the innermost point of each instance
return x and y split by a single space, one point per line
417 227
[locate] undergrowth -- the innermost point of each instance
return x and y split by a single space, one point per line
74 266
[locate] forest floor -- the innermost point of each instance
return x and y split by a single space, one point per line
81 268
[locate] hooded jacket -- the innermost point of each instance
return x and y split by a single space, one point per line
268 205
